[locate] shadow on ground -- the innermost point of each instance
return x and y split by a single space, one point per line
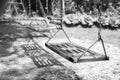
9 33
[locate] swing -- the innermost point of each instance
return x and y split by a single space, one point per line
73 52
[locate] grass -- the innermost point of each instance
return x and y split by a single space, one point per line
109 36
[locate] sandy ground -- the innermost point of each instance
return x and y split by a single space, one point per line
101 70
14 63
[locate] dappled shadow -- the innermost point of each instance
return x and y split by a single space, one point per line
7 37
77 24
14 74
6 49
85 25
9 33
56 73
105 26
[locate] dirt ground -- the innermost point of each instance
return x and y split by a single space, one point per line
14 65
